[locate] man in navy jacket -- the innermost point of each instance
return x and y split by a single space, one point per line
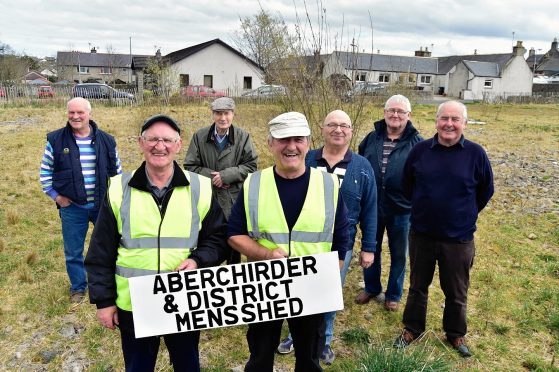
387 148
76 165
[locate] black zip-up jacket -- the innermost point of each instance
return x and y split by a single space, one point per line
100 262
390 195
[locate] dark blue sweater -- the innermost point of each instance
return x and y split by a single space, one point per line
448 187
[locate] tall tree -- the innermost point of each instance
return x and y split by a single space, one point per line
263 38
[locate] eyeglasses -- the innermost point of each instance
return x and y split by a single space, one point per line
454 119
153 141
341 126
393 111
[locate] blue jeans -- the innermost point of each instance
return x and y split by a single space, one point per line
397 228
331 316
75 222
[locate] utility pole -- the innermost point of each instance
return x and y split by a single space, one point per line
354 62
130 70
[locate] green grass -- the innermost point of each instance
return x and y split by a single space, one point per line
513 304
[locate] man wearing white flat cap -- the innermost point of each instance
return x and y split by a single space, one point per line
288 200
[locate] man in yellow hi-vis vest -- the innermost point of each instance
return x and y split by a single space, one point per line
288 210
157 219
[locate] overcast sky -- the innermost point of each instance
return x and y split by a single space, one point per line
41 28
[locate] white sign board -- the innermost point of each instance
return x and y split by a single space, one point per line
235 294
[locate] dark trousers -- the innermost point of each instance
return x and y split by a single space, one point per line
454 260
308 340
140 354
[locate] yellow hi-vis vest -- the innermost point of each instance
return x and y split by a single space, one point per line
150 242
314 229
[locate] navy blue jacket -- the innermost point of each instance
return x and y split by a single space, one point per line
67 178
448 187
358 192
390 196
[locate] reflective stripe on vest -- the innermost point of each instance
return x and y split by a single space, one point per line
137 214
128 242
319 239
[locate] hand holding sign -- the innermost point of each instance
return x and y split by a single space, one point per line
236 294
187 264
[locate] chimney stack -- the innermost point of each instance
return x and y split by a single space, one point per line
93 50
518 49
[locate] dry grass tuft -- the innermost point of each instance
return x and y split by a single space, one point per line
31 258
2 245
12 217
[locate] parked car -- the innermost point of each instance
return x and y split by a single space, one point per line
99 91
266 91
45 91
367 88
201 91
3 93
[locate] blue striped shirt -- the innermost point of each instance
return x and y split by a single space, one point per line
88 160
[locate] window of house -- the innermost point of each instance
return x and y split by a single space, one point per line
488 84
247 82
184 80
209 81
361 76
425 79
106 70
83 70
384 78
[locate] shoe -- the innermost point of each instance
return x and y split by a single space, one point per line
77 297
363 297
286 346
459 344
404 340
328 355
391 305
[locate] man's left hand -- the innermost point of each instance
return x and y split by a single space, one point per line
366 259
187 264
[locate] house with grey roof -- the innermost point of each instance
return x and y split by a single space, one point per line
474 76
418 72
94 67
548 63
486 76
214 64
217 65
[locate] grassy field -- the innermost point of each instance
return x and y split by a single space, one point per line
514 297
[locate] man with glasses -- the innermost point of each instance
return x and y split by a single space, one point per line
387 148
224 153
449 181
357 186
157 219
76 165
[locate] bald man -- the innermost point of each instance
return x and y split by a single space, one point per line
358 190
76 165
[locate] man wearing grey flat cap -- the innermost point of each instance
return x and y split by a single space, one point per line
298 199
148 224
224 153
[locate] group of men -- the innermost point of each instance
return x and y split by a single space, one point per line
161 218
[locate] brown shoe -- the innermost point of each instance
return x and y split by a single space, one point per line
77 297
363 297
391 305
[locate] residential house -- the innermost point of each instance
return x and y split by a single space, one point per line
217 65
548 63
34 78
418 72
94 67
474 76
486 76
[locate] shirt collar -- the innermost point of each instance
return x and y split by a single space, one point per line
436 142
